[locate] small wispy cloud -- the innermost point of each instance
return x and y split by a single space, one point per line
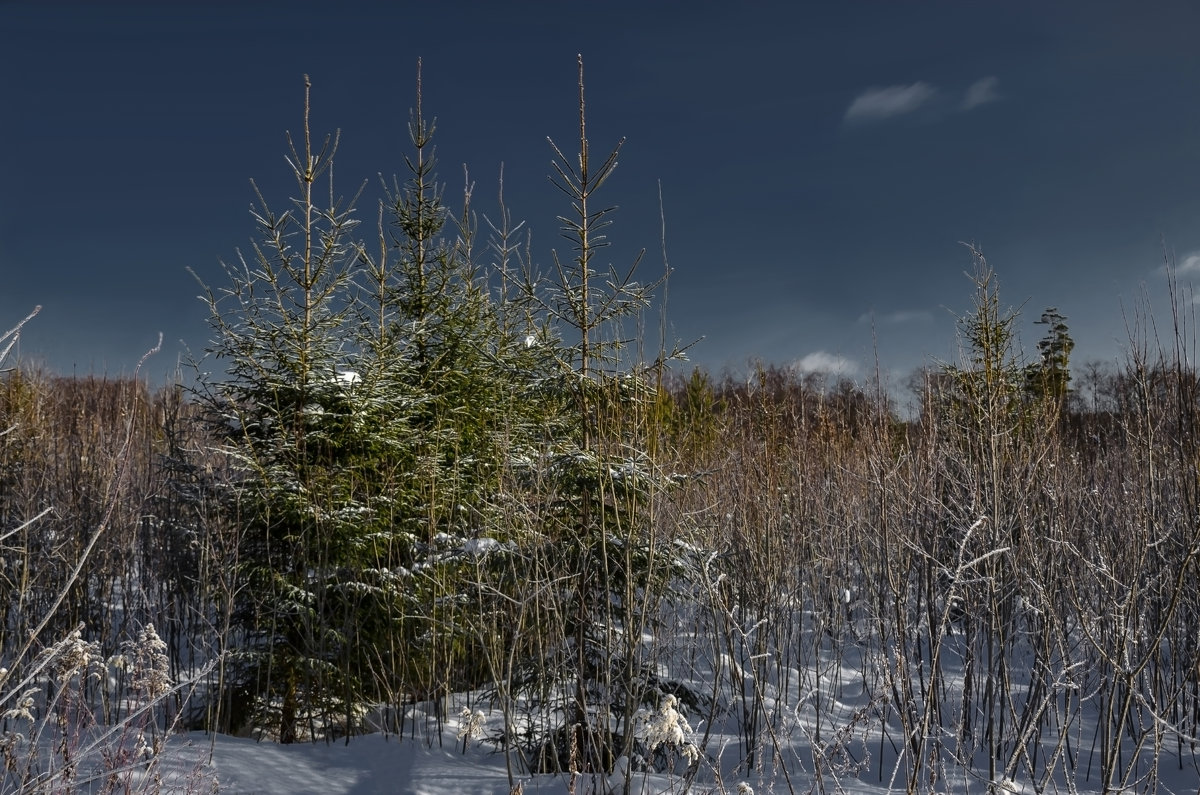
1189 265
1186 267
877 104
981 92
896 318
880 104
826 363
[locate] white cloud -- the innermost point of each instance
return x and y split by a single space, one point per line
876 104
896 318
827 363
981 92
1189 264
1186 267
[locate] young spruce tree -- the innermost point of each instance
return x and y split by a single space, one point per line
315 429
373 401
601 473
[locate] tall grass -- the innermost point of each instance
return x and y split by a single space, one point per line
1002 587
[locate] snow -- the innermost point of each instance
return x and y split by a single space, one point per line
833 727
462 759
440 765
369 764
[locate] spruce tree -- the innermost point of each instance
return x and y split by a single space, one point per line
480 406
1050 377
600 470
374 400
317 424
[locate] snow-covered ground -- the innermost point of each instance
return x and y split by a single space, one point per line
368 764
829 730
824 712
376 764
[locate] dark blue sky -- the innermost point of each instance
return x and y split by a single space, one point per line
819 162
